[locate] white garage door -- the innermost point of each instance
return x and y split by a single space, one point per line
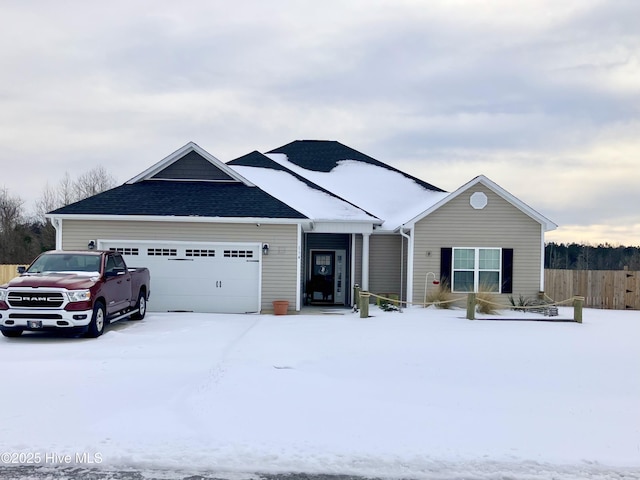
197 277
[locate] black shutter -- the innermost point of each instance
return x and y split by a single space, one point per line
507 270
445 267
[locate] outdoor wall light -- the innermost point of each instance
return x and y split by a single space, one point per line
91 245
265 249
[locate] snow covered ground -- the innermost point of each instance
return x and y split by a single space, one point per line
422 394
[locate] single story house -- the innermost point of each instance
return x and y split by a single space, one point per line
304 223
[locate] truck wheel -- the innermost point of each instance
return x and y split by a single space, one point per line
12 333
96 327
141 306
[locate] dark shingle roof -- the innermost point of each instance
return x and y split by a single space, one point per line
191 199
257 159
324 155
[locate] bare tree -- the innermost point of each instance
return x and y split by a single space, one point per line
48 201
69 191
93 182
11 215
10 210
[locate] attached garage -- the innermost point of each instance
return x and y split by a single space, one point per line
197 276
200 228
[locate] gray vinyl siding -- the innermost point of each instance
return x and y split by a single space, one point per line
279 268
192 167
499 224
384 264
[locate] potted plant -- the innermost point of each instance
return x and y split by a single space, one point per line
280 307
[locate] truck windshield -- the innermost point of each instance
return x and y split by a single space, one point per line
64 262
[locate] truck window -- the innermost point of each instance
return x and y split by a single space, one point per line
120 262
111 264
115 262
62 262
92 263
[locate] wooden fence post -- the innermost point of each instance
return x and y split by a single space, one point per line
577 309
471 306
364 304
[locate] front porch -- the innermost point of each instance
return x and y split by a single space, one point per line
333 263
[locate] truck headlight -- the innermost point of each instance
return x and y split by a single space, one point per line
3 294
79 295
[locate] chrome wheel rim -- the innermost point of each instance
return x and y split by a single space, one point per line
99 320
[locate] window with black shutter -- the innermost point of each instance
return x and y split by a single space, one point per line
474 269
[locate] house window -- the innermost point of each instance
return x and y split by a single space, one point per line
476 269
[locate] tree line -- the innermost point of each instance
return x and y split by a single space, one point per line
576 256
25 235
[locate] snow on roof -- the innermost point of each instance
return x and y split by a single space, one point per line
387 194
309 201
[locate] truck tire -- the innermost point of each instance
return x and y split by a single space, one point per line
12 333
98 320
141 306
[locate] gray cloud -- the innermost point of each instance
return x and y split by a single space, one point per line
541 96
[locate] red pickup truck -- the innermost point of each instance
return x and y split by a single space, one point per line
73 292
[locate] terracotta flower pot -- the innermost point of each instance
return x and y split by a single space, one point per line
280 307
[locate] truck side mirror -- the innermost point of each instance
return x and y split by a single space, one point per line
22 269
115 272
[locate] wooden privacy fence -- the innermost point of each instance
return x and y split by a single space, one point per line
612 289
7 272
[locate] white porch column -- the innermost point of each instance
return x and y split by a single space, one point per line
409 277
299 270
365 261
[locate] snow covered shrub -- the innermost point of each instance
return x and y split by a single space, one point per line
388 306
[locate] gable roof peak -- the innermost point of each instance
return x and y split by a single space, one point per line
498 190
191 153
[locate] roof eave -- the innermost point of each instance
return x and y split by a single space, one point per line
181 219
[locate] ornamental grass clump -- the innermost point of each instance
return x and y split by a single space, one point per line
486 301
440 297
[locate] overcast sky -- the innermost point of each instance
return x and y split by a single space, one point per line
543 97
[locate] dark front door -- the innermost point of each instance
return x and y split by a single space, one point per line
321 286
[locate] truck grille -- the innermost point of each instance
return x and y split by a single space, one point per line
38 316
35 300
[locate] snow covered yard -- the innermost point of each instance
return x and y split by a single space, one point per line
419 394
